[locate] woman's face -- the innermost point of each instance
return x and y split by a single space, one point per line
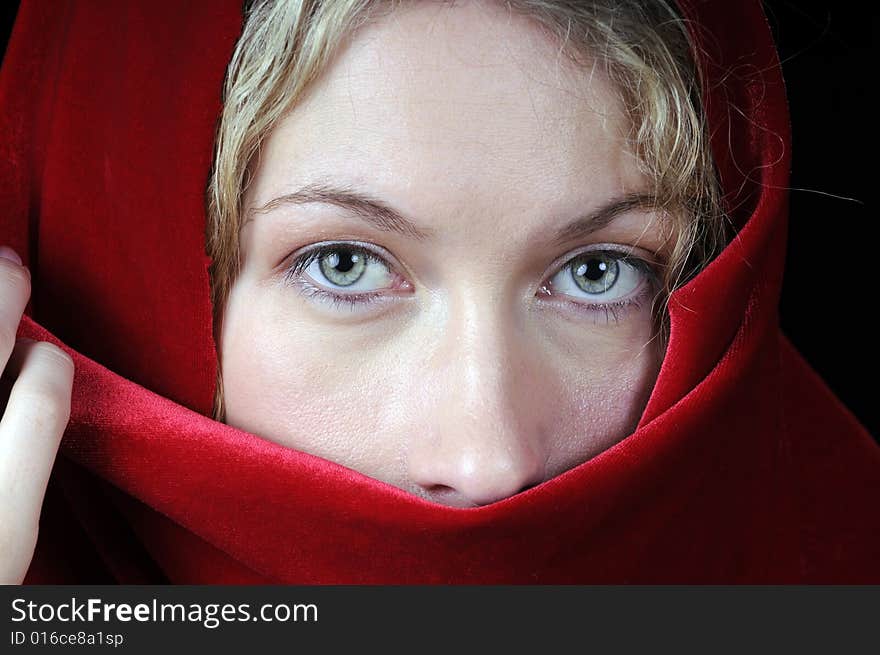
446 278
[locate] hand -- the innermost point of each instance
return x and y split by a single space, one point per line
35 392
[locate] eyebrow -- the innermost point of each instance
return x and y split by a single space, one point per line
387 219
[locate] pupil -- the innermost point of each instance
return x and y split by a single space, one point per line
593 270
343 262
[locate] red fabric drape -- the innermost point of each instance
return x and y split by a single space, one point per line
744 467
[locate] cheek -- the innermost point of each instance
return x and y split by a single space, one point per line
296 383
606 380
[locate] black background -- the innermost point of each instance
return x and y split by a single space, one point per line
830 294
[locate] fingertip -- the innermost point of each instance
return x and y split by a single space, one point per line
8 253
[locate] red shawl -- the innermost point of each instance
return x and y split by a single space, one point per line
744 467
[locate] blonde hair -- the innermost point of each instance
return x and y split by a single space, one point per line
643 46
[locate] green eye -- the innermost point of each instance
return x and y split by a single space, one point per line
595 273
343 266
601 276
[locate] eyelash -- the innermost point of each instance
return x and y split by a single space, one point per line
293 276
611 310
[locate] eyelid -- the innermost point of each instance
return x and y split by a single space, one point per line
630 252
378 252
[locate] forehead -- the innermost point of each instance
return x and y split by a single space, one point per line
434 97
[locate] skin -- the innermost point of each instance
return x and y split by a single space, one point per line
467 383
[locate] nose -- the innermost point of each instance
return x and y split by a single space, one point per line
478 441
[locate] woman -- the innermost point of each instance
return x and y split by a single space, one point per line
558 195
715 469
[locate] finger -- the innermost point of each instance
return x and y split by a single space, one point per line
31 428
15 289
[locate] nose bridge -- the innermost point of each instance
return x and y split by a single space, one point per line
482 440
481 348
